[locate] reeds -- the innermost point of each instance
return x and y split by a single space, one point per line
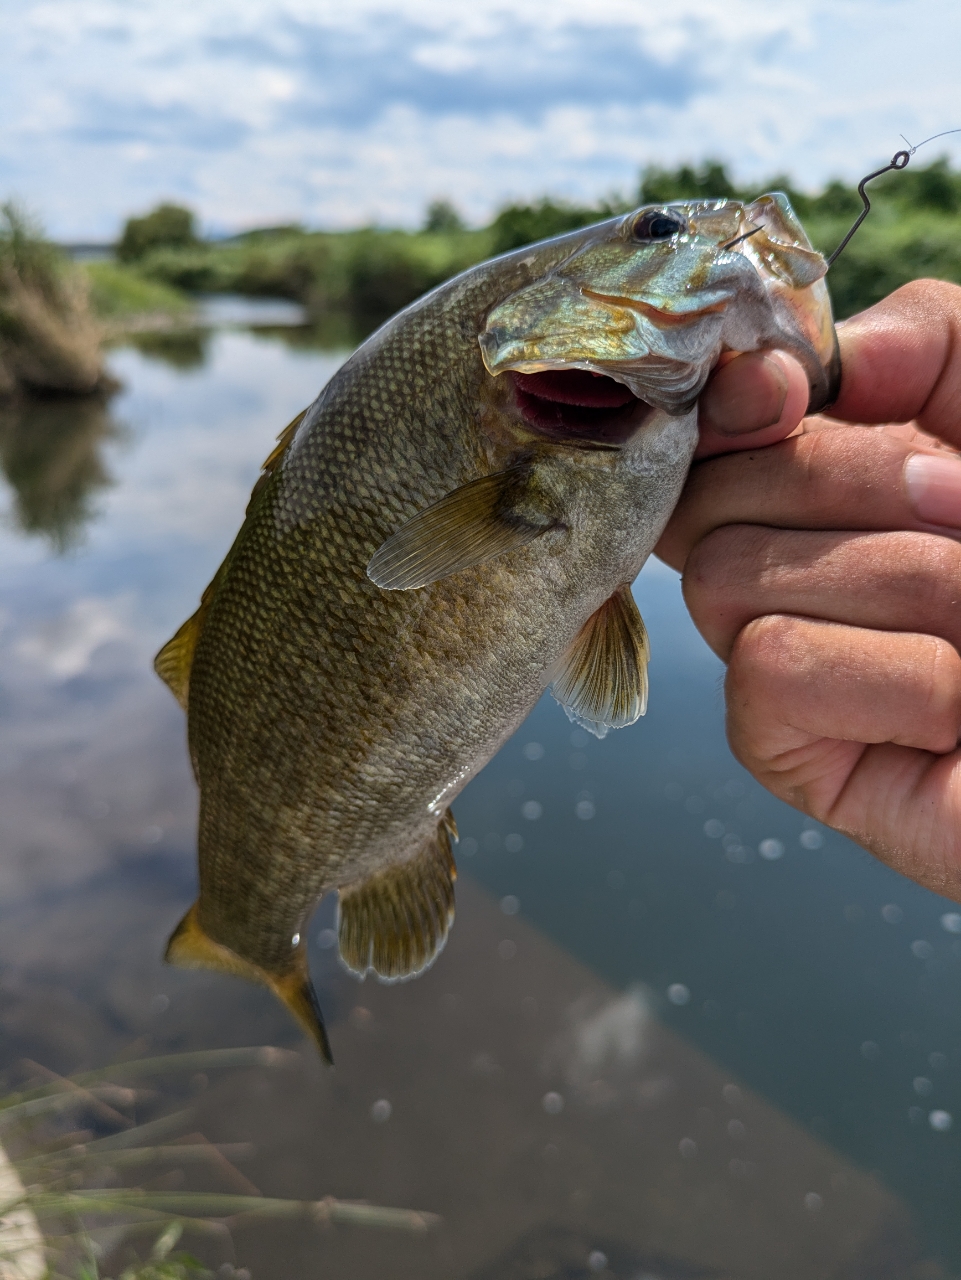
53 1204
49 339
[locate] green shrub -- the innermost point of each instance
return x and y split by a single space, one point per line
169 225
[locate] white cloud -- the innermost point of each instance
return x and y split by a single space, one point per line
255 110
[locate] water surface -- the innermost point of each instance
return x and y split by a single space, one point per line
678 1031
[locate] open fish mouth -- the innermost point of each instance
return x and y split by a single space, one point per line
577 405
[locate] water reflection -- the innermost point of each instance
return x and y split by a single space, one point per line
180 348
544 1087
51 452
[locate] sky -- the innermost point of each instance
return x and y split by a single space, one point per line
336 114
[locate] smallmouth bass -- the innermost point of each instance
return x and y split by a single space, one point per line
450 528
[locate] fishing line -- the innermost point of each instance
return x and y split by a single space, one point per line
900 160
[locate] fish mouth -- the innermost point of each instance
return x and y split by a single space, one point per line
578 406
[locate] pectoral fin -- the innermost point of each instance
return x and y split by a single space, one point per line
475 523
397 921
190 947
601 681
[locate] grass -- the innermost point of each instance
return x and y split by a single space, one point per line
60 1187
49 338
119 293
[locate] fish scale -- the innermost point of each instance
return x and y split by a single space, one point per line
420 560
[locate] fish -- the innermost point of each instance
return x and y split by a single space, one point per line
451 528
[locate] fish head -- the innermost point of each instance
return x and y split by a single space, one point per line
650 300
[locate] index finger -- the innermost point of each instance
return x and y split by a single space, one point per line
901 360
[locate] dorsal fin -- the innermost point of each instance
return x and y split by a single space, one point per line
272 461
395 922
172 664
601 681
191 947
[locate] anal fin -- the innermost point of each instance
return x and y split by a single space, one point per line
395 922
191 947
601 681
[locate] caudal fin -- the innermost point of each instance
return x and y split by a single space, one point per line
190 947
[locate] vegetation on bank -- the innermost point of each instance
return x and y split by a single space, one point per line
55 315
49 337
364 276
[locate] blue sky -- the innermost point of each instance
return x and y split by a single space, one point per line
257 111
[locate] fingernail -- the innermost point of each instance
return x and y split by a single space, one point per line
933 485
748 394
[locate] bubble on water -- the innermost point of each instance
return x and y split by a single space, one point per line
736 853
736 1130
871 1050
922 949
553 1103
922 1085
533 751
513 843
532 810
892 913
714 828
326 939
810 839
295 940
467 846
678 994
597 1261
813 1202
687 1148
938 1060
951 922
585 810
732 1095
771 849
940 1120
510 905
381 1111
507 949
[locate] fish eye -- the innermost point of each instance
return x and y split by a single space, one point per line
656 225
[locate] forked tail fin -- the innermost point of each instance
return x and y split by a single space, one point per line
190 947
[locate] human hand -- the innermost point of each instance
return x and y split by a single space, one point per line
826 570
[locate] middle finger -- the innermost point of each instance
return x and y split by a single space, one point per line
898 581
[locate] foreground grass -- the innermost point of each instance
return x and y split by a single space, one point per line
60 1186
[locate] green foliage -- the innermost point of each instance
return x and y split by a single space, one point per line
167 226
25 251
708 182
351 281
521 224
443 219
118 292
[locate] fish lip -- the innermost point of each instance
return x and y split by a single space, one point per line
657 315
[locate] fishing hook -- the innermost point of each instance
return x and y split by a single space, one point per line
747 235
900 160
